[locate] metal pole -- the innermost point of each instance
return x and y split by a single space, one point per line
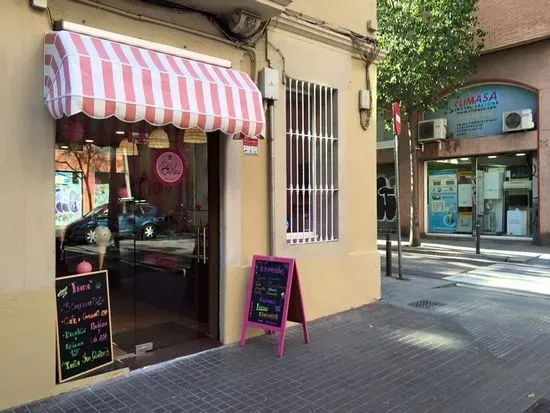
475 206
388 256
397 198
478 237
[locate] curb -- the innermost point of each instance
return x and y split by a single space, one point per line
496 258
503 290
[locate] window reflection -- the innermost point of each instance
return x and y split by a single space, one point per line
150 205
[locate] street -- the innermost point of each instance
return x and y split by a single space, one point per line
431 265
521 269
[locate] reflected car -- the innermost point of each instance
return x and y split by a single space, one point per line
139 219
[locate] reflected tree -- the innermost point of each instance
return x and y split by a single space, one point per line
82 159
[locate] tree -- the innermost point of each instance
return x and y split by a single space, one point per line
81 160
432 47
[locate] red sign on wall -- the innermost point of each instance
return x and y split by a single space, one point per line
250 146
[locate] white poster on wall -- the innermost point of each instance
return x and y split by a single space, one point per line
68 197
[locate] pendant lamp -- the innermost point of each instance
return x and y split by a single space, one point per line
130 148
158 139
194 135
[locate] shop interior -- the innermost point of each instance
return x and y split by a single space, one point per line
156 231
505 194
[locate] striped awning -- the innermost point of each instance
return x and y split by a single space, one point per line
102 79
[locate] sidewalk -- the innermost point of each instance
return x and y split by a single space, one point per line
457 350
497 250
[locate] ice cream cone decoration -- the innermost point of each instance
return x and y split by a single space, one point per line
102 251
102 238
84 267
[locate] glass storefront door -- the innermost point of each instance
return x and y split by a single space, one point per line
171 259
158 202
504 202
505 195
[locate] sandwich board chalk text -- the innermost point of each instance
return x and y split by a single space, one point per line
84 336
274 297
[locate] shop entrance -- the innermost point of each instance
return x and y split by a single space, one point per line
156 191
505 199
137 181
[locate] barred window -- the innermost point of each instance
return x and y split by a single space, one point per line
311 162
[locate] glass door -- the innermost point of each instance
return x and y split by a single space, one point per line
506 194
170 188
94 216
145 207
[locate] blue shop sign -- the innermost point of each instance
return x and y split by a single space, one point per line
477 110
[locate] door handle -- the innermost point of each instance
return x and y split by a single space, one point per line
204 245
198 244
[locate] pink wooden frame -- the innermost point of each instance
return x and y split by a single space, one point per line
289 294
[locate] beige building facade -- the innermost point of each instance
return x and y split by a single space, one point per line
244 205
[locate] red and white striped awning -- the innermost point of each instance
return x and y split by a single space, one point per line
102 78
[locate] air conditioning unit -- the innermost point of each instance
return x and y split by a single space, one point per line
432 130
518 120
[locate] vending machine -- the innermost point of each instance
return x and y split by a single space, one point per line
443 202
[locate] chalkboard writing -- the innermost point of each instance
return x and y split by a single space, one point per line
84 339
268 292
274 297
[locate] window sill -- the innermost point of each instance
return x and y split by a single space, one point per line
304 237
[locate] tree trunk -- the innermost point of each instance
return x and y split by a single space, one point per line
414 227
85 174
89 150
88 192
113 199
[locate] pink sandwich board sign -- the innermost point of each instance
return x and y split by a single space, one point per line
274 297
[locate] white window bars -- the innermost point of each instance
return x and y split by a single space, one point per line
311 162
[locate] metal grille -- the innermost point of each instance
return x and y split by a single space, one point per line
311 162
426 304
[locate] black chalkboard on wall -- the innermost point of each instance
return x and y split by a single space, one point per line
84 336
269 292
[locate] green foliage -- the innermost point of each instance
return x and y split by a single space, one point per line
384 116
432 46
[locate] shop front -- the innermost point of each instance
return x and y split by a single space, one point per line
500 186
150 175
135 187
137 158
492 179
483 169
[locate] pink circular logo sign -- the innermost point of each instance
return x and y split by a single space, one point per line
169 167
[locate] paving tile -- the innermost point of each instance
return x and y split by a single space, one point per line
481 352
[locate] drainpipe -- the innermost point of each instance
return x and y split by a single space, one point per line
271 176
